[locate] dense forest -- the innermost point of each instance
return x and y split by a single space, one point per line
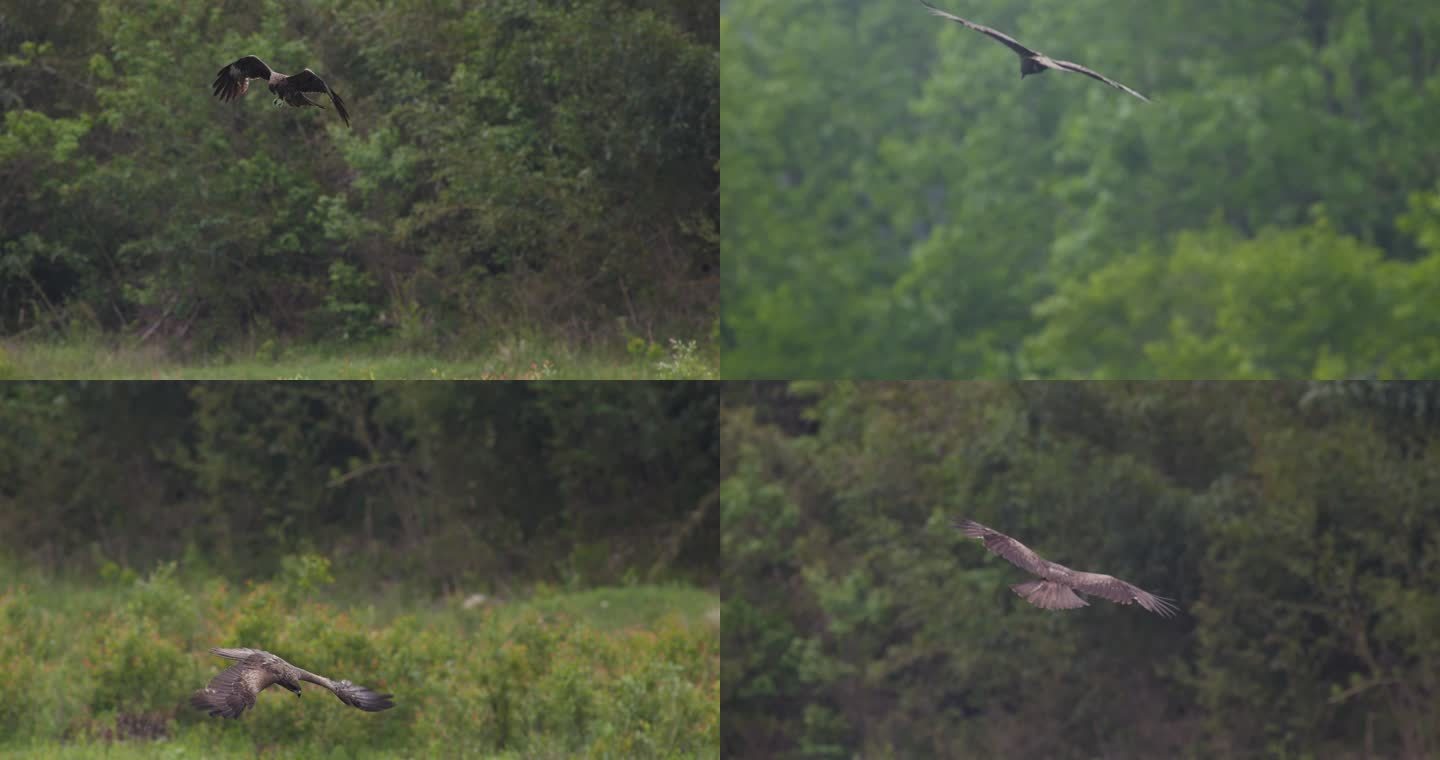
1296 525
436 485
898 203
544 169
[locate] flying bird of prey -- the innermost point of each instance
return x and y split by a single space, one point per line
1057 585
234 81
1031 62
234 690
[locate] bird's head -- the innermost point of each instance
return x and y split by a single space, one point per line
295 687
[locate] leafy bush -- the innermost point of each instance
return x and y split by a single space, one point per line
524 682
25 627
303 574
160 600
351 312
138 670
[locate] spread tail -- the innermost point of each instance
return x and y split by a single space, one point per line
1048 595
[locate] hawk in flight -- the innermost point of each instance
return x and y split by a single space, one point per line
1031 62
234 81
234 690
1057 585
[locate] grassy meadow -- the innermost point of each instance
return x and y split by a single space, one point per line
104 668
517 359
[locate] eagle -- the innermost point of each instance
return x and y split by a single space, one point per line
234 690
1031 62
234 80
1057 585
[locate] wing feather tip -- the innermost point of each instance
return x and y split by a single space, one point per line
969 527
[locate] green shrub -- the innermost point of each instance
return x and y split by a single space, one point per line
160 601
138 672
301 575
352 307
557 679
19 627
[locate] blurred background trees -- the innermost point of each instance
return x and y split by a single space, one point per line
1296 524
540 167
897 204
442 485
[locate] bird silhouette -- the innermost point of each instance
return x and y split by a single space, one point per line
1031 61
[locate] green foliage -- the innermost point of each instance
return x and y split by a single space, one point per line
644 349
684 362
1294 523
608 610
19 664
138 672
918 212
446 484
160 598
349 306
514 169
96 358
8 371
1295 303
1338 585
141 668
497 681
302 575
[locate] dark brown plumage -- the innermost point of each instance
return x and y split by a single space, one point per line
234 690
1057 585
1031 62
234 80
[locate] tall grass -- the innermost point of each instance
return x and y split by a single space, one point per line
107 669
516 359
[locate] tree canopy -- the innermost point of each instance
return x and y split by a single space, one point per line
1294 524
435 483
897 203
547 167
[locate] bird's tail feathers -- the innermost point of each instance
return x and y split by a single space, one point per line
1048 595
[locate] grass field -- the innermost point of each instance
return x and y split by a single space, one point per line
515 360
104 669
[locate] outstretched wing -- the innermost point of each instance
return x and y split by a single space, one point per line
238 653
234 79
309 81
233 691
1120 592
1017 553
1077 68
355 695
1001 37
